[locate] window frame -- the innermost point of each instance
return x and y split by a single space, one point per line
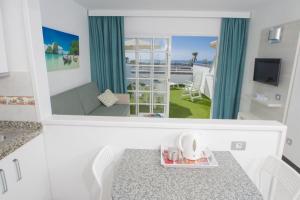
152 77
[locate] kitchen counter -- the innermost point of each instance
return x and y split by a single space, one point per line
14 134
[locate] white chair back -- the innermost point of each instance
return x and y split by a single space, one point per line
103 172
197 80
278 181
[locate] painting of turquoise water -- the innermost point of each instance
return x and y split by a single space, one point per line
61 50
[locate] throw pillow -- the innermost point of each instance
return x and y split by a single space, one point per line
108 98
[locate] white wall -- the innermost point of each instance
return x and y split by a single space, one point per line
3 57
266 16
286 50
167 26
292 150
273 14
18 83
70 17
72 144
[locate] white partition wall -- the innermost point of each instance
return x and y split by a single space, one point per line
72 144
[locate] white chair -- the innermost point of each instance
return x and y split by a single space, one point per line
278 181
103 172
193 89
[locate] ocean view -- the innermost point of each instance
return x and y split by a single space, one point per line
56 62
61 50
187 62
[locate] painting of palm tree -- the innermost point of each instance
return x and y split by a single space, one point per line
194 57
61 50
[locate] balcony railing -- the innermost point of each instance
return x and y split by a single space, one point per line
181 69
185 69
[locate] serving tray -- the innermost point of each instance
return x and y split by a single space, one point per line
207 161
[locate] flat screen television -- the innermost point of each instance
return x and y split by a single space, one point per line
267 70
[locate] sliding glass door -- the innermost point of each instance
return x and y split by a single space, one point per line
147 74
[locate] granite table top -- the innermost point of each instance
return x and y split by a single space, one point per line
140 176
14 134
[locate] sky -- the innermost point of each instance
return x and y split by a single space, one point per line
63 39
184 46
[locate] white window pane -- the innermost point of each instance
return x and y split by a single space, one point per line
147 74
160 72
144 72
158 109
161 44
131 84
130 44
130 71
133 109
144 85
160 58
144 97
144 108
159 85
130 58
144 44
145 59
132 97
160 98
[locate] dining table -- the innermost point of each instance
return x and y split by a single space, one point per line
140 176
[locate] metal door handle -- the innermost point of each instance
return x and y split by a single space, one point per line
3 180
18 169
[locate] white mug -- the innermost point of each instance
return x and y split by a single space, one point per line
173 153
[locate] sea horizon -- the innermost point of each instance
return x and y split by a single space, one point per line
180 62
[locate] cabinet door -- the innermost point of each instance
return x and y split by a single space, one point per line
7 184
28 175
3 62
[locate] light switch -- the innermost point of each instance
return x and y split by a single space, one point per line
238 145
289 141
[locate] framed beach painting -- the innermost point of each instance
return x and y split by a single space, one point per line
61 50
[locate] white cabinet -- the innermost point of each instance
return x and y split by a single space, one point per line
3 58
26 173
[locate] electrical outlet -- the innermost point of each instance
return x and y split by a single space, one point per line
289 141
238 145
278 97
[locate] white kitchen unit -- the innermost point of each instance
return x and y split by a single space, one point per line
23 173
3 58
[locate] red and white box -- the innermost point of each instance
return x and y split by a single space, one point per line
207 161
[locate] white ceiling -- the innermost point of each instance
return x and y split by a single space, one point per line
197 5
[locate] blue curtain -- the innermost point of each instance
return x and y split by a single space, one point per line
107 53
230 68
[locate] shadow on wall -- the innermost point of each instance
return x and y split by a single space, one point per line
87 175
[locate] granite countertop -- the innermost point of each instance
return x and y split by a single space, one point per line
14 134
139 175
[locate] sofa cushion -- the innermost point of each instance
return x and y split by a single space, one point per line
108 98
67 103
115 110
88 96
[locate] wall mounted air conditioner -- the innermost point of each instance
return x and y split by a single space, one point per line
275 34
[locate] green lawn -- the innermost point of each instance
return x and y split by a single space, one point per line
185 108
